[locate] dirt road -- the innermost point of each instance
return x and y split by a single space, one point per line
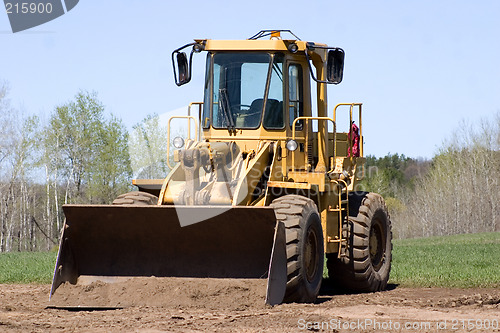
211 306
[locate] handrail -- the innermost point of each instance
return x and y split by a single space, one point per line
326 141
199 116
196 137
352 105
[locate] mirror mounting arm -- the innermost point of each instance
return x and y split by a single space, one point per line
335 54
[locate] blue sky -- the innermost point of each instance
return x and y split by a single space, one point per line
419 67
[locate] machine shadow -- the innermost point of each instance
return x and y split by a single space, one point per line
329 289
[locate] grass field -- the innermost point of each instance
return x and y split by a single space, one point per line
27 267
461 261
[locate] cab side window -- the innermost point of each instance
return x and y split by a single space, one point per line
295 104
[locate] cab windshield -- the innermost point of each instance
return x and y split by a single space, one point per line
238 90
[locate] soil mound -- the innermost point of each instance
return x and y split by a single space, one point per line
231 294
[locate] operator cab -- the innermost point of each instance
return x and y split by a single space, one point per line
244 90
257 84
260 90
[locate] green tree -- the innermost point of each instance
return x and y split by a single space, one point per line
148 149
111 170
394 177
88 150
16 188
7 128
391 174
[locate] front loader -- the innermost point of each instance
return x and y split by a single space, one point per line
264 186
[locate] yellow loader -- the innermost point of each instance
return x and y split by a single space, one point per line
263 187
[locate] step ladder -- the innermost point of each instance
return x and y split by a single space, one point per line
342 207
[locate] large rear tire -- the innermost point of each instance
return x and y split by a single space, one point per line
367 261
304 247
136 198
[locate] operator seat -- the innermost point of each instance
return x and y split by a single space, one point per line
273 115
252 117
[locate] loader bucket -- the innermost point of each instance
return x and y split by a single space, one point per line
106 244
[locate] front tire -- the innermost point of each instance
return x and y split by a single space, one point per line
304 247
367 261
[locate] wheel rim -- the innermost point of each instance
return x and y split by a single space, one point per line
377 244
311 255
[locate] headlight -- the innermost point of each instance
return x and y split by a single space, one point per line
198 47
178 142
291 145
292 47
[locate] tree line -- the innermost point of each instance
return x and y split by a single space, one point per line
457 191
80 154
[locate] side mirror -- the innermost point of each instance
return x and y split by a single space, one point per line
183 72
335 65
181 64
